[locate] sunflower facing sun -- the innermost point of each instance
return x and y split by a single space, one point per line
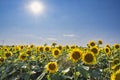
91 44
116 46
23 56
116 75
75 55
89 58
8 54
56 52
1 59
52 67
95 50
47 48
107 50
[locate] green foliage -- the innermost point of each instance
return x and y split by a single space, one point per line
33 68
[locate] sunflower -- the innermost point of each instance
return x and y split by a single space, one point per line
5 49
107 45
60 47
116 46
75 55
29 52
56 52
8 54
116 67
23 56
67 47
46 48
37 48
100 42
115 61
1 60
95 50
73 47
21 47
42 56
41 48
89 58
116 75
54 44
31 46
52 67
107 50
92 44
17 48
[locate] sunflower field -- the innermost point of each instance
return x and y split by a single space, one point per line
57 62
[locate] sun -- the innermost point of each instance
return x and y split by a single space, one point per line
36 7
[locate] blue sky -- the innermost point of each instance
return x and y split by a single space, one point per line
63 21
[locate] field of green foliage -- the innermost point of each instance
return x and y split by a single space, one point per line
57 62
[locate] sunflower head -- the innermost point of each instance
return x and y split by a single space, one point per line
116 46
60 47
29 52
116 67
107 45
56 52
40 48
17 48
46 48
1 59
54 44
37 48
5 48
75 55
115 61
52 67
31 46
95 50
100 42
21 47
92 44
67 47
73 47
42 56
8 54
116 75
107 50
23 56
89 58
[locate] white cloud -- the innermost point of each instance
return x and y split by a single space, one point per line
40 38
33 36
68 35
51 39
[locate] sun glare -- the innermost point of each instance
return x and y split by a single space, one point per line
36 7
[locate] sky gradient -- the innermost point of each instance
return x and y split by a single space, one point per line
63 21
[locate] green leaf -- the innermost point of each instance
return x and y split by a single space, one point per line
95 72
41 76
83 71
25 76
48 77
